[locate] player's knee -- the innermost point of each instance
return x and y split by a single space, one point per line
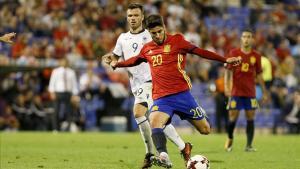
154 122
139 111
205 130
138 115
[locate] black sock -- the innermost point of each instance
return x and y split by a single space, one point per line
159 140
250 132
231 126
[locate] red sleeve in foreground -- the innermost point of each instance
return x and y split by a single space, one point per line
131 62
208 55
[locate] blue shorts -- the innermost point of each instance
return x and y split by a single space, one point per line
239 103
183 104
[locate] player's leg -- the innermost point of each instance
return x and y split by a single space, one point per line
187 108
234 106
169 129
250 105
202 126
144 126
157 121
250 115
185 148
172 135
139 111
233 116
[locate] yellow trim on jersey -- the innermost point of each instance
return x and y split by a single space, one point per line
186 77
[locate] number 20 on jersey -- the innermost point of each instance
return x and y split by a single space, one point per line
156 60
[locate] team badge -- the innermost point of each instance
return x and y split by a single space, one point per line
233 104
252 60
167 48
154 108
144 38
254 103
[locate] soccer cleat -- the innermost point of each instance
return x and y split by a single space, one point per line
250 149
228 145
162 160
186 152
147 161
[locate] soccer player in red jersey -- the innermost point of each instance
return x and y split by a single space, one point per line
171 86
128 45
7 38
240 87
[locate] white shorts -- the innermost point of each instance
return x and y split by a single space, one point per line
144 94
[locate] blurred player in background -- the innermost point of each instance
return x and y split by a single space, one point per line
129 44
7 38
166 56
240 87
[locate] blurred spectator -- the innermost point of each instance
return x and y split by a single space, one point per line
221 102
63 88
42 115
19 46
89 83
21 108
192 35
62 31
266 71
292 112
279 92
295 51
8 120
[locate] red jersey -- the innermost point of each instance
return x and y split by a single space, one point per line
244 75
167 63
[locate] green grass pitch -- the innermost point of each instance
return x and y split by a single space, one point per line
126 151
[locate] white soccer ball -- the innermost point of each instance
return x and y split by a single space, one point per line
198 162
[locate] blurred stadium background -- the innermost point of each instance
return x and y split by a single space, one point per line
84 30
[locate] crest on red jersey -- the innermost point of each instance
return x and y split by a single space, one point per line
252 60
167 48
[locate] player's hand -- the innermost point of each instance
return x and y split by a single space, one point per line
113 64
265 98
227 93
8 37
234 60
107 58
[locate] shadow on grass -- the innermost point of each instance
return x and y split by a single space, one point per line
216 161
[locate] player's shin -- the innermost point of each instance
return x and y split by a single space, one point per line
250 132
145 130
172 134
231 126
159 140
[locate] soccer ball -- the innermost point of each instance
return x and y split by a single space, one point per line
198 162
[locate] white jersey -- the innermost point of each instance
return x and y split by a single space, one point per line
129 45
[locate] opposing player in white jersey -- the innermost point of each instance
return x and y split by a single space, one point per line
128 45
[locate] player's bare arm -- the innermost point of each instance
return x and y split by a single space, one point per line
228 82
134 61
214 56
7 38
263 87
